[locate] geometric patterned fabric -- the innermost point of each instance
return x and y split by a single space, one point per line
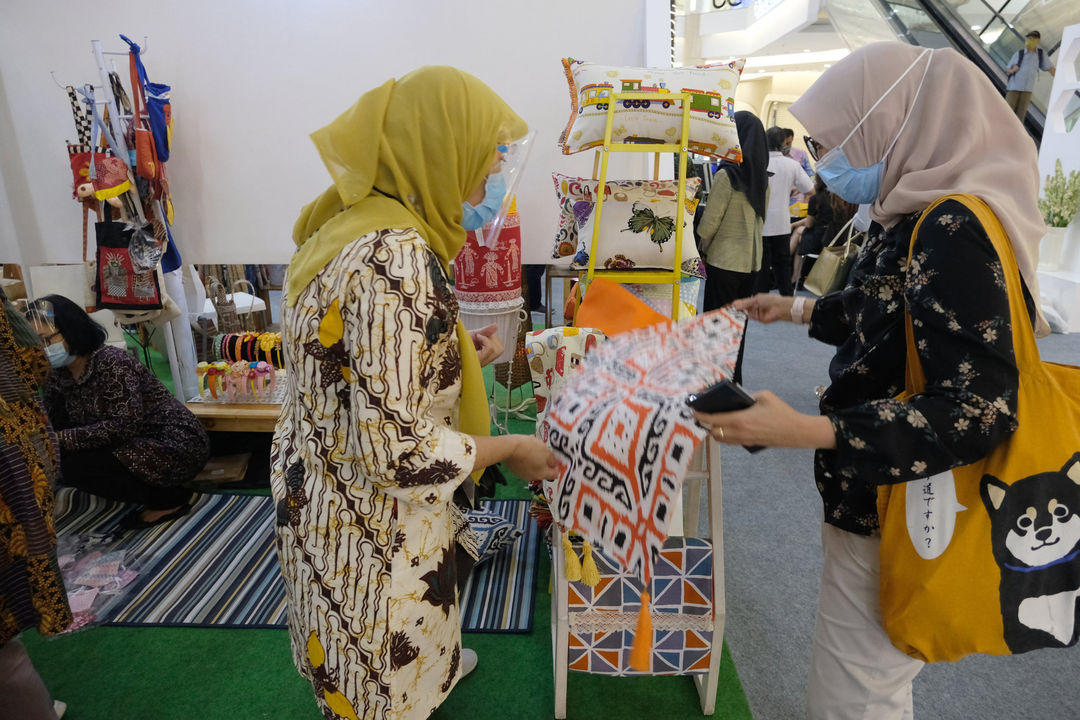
603 618
623 435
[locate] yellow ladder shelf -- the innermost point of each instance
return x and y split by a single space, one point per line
648 277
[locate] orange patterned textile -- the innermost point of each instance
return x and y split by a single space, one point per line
624 436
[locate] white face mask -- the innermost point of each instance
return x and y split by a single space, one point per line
862 185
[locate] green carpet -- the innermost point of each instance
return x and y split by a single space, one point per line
107 673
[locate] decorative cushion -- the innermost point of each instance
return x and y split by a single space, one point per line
658 297
623 435
493 532
637 227
602 619
552 354
712 107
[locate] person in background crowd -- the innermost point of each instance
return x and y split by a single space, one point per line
122 434
32 591
729 233
797 154
785 177
1024 67
826 215
385 415
881 136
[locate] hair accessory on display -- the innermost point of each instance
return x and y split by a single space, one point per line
200 373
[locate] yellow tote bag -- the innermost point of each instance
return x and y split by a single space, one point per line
985 558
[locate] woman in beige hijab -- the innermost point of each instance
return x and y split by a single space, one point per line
882 125
385 414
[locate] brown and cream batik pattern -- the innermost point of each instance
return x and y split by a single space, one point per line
365 462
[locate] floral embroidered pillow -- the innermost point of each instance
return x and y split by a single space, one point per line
637 225
712 106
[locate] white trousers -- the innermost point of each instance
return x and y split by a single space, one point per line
855 672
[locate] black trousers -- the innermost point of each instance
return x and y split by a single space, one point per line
98 472
776 264
723 287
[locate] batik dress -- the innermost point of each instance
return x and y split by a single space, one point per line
365 463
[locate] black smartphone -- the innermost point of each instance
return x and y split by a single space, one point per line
724 396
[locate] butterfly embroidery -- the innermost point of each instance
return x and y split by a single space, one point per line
644 219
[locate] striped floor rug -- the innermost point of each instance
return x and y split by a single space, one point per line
217 567
501 591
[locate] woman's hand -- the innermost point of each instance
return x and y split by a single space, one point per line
488 347
767 307
532 460
770 422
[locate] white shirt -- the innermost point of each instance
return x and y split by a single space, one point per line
787 175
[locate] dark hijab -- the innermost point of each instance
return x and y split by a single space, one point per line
751 177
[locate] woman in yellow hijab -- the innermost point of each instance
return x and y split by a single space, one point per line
385 413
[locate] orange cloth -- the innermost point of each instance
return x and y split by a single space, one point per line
612 309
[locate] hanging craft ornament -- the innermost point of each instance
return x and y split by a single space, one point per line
624 436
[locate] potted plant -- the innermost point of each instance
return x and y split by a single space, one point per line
1059 205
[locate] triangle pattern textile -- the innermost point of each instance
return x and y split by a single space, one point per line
624 436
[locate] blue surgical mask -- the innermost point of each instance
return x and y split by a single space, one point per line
860 186
474 218
58 355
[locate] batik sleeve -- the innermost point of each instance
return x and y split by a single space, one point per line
400 331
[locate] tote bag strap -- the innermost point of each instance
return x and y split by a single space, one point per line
1024 346
839 235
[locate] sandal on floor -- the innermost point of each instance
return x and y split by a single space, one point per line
134 522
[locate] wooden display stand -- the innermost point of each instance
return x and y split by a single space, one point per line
706 463
674 275
236 417
707 467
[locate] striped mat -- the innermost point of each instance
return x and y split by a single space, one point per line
218 567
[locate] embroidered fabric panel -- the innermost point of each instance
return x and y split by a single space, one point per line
624 437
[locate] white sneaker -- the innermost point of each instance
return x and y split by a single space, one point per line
468 661
59 707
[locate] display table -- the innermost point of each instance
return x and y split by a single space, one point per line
236 417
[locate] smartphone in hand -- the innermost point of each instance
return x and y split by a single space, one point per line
724 396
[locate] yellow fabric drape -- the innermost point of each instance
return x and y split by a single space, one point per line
406 155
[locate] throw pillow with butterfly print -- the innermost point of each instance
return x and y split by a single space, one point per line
637 225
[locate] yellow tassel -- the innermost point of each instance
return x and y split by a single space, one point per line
589 574
573 566
641 650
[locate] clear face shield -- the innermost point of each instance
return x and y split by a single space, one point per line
42 318
511 162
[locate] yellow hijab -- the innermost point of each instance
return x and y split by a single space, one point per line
405 155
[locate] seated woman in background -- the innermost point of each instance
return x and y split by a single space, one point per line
826 215
122 435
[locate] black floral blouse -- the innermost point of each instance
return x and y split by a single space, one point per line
955 292
119 405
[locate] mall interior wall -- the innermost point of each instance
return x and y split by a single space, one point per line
252 79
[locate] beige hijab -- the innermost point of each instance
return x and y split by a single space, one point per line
960 138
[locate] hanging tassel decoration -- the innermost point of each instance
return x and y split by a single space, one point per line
589 574
573 566
641 650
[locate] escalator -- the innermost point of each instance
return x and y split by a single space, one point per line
986 32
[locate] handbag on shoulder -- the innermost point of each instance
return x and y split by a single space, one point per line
985 558
833 265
